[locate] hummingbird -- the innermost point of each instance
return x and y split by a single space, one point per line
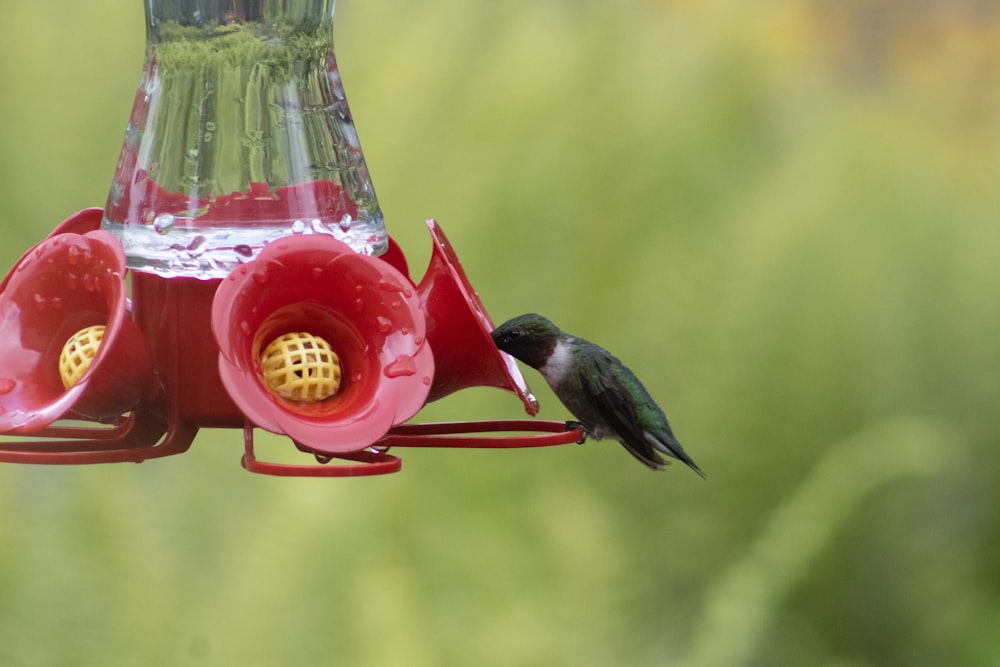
606 398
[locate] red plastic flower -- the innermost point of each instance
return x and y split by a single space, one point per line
65 284
363 307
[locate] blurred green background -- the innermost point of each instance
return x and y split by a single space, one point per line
781 214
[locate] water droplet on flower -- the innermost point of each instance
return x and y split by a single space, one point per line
73 255
384 324
357 377
7 385
40 302
419 340
164 223
245 326
260 277
394 287
426 381
405 331
359 304
403 365
72 281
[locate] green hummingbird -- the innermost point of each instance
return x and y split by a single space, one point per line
606 397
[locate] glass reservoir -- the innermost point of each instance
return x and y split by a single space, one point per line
240 134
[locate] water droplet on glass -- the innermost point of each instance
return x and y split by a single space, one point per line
164 223
197 246
7 385
298 227
384 324
346 223
243 250
403 365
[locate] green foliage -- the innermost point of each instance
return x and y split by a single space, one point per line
781 219
184 50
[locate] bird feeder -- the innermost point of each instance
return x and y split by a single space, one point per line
240 275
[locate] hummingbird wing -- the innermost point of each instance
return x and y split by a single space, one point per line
614 390
617 408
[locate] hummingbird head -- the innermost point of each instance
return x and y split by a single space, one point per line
530 338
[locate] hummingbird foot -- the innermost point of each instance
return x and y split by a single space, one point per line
577 426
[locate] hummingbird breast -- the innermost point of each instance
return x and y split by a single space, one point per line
563 375
558 366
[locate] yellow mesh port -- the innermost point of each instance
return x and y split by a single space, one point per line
78 352
301 367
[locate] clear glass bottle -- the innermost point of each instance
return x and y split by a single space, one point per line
240 134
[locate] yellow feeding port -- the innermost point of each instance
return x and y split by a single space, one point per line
301 367
78 352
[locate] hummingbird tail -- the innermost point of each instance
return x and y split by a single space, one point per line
674 449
